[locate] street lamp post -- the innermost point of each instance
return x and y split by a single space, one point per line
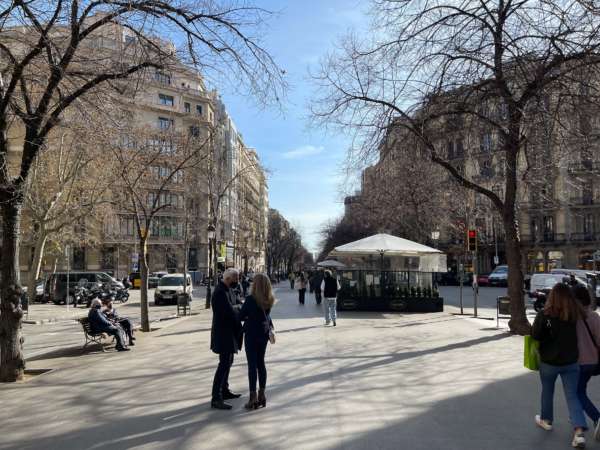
211 236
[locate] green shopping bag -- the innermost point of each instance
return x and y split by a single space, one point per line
531 353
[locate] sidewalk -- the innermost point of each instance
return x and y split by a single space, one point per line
376 381
43 313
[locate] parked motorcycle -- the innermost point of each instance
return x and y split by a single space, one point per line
122 295
540 297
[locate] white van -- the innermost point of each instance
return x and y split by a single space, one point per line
169 287
540 281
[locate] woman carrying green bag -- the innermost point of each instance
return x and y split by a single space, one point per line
555 327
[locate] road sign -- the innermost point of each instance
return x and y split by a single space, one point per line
496 260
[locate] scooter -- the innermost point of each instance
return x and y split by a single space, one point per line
540 297
122 295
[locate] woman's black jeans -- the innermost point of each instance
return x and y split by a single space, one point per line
301 295
255 354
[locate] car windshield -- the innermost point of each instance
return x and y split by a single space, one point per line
500 269
171 281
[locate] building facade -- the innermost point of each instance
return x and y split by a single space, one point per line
172 115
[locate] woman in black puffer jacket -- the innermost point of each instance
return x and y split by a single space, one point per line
555 327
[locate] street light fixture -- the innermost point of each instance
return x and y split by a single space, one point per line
211 236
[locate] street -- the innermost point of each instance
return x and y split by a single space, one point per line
377 380
486 303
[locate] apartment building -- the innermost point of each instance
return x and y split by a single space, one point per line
172 114
559 189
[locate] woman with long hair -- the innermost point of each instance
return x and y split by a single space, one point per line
301 286
555 327
588 339
256 315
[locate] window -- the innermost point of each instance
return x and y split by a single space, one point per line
587 194
199 109
534 229
187 107
459 150
129 39
548 228
588 225
162 78
164 123
195 131
167 100
151 198
450 147
486 142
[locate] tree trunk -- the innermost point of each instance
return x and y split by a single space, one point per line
518 322
12 362
143 261
36 264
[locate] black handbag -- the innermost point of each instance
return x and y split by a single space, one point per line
597 368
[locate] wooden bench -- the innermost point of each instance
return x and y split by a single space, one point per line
90 337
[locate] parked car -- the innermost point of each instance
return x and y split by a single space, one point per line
451 278
169 287
39 290
577 272
56 285
483 279
135 279
546 281
154 278
499 276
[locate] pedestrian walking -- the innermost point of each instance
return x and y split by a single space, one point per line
225 337
555 327
316 280
588 338
258 330
292 279
330 287
301 286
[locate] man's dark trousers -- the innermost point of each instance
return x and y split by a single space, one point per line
318 296
221 381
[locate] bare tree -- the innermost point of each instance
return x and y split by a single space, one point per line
486 70
65 194
57 55
152 164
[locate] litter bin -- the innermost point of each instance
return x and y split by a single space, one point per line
502 309
24 302
183 302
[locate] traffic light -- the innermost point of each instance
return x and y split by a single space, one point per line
472 240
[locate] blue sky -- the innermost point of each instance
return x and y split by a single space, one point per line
304 163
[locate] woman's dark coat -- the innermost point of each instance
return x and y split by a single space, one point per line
256 321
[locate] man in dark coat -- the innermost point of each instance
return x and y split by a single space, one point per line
225 337
100 324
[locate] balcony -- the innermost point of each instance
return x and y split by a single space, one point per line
584 166
544 238
585 237
583 200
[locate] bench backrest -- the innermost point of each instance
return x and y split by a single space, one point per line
85 323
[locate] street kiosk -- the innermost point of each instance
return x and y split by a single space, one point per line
388 273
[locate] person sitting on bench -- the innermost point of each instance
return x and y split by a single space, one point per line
111 314
100 324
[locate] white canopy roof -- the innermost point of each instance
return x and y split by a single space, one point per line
331 263
386 243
